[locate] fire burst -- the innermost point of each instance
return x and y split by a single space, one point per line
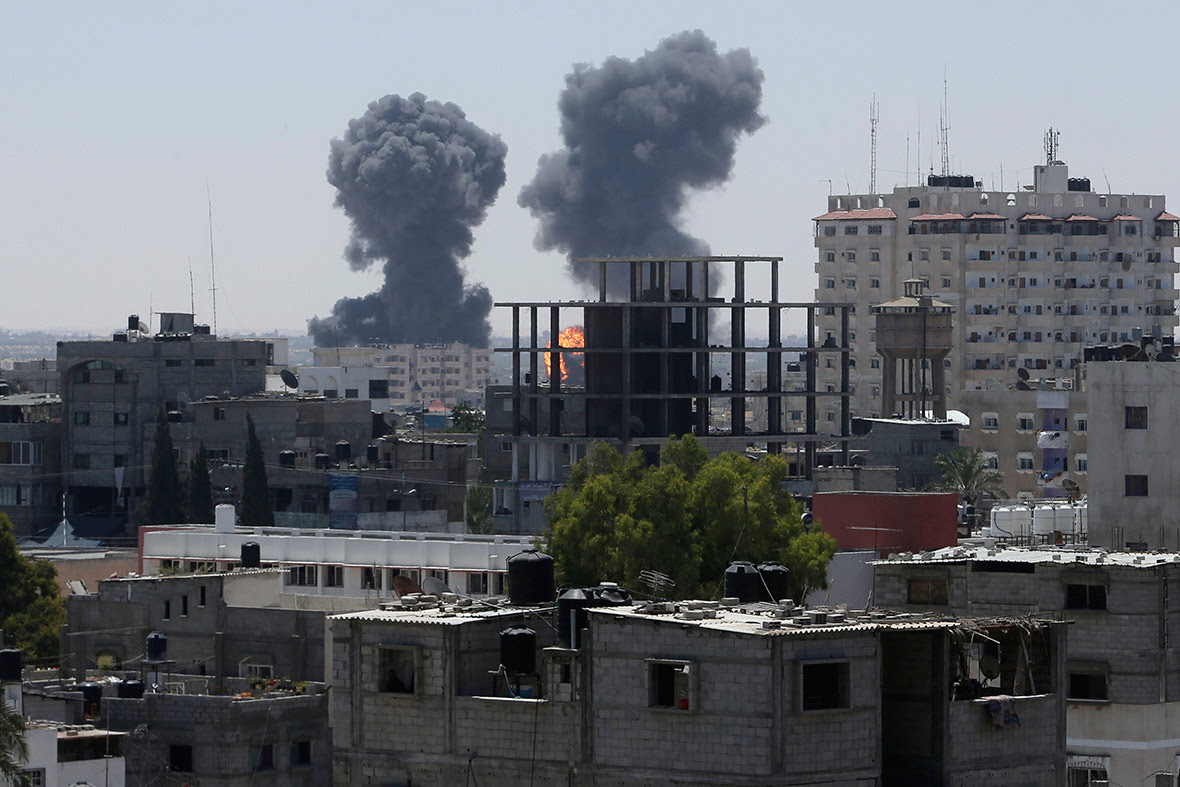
572 336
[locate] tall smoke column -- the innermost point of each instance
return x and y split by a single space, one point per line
414 177
639 134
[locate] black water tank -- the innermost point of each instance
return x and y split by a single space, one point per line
530 578
343 451
251 555
571 614
131 689
5 389
91 699
175 416
742 582
133 322
775 581
119 336
286 458
371 452
157 646
10 666
322 461
518 650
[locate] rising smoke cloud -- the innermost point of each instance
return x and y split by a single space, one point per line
414 177
639 135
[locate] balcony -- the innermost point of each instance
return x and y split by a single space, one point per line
1053 439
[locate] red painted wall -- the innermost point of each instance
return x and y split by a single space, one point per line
889 521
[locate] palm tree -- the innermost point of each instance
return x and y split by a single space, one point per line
965 472
14 749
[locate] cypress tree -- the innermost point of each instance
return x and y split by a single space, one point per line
200 489
255 508
163 504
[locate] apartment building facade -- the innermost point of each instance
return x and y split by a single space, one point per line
400 375
1033 275
30 456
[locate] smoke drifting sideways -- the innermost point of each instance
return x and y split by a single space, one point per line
414 177
639 136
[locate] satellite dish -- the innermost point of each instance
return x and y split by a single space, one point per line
993 384
403 585
289 378
1126 265
1022 373
1131 352
1021 385
989 666
434 586
184 400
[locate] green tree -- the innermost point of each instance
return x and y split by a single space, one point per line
688 518
163 504
965 472
199 489
465 418
32 610
256 506
479 509
14 749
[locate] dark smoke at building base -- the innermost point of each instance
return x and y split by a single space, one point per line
414 177
639 136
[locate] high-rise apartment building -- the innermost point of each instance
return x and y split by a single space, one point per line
398 375
1033 275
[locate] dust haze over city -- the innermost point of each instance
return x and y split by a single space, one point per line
131 124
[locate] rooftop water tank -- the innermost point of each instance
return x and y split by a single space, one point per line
572 606
371 453
742 582
91 700
130 689
322 461
518 650
224 518
286 458
530 578
1044 519
775 581
251 555
343 451
10 666
157 646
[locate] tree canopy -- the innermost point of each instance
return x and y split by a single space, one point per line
479 509
14 749
256 508
688 517
164 502
199 489
465 418
965 472
32 610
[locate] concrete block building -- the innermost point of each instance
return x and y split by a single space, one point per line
1032 274
400 375
660 694
30 462
1122 673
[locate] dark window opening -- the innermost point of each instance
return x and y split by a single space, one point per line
826 686
1085 596
180 758
167 610
669 686
1087 686
1135 485
396 671
300 753
1136 417
262 758
927 591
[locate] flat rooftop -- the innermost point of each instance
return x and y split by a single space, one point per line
1090 556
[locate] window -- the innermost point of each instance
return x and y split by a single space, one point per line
913 203
334 576
378 389
120 419
331 393
35 776
396 670
946 255
829 284
371 579
477 583
1088 777
302 576
300 753
1081 463
850 229
249 362
167 610
1024 461
991 421
255 668
262 758
924 254
825 686
21 452
669 684
874 363
850 256
874 284
180 757
201 596
991 460
829 231
1082 596
351 393
926 591
1136 417
172 362
1024 422
218 413
874 256
184 606
82 418
1135 485
874 229
1087 684
203 362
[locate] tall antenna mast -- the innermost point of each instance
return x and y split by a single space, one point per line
212 266
873 117
944 127
1051 140
907 158
192 297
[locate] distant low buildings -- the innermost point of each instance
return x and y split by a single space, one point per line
400 375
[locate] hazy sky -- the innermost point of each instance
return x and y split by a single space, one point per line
115 115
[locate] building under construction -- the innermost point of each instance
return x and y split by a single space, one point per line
665 351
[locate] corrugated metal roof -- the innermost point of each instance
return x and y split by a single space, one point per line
445 615
1065 556
857 215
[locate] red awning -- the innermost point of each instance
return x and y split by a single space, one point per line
1165 216
1126 217
1081 217
1035 217
939 217
981 216
870 214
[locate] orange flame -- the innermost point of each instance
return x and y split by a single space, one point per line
572 336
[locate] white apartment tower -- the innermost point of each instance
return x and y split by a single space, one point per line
1033 275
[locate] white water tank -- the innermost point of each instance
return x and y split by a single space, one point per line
1063 516
1044 519
224 518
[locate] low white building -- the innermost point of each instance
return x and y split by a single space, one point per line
67 755
400 375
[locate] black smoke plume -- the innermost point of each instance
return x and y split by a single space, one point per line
414 177
639 135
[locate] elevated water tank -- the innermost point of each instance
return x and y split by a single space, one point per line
224 518
518 650
371 453
572 606
343 451
251 555
1044 519
1083 519
530 578
1063 518
91 699
10 666
775 581
322 461
286 458
157 646
1022 520
175 416
130 689
742 582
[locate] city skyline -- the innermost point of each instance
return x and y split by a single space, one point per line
129 117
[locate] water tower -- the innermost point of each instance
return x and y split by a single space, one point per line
914 335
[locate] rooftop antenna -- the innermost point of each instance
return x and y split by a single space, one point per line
907 158
1104 177
944 128
873 117
1051 143
212 266
192 298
